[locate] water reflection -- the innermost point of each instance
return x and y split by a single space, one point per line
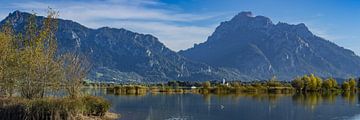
309 106
349 97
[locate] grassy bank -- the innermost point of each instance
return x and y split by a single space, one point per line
53 108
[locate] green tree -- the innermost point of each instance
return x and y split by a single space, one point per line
333 83
7 60
206 85
28 60
40 67
273 82
329 84
345 86
307 82
298 84
352 84
236 84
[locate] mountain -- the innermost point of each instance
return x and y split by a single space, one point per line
120 55
260 49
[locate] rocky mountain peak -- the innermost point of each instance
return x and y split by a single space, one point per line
244 14
300 29
248 20
260 49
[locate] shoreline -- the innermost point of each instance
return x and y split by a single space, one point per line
107 116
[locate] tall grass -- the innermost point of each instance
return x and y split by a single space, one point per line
52 108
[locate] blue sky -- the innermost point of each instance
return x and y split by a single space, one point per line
181 23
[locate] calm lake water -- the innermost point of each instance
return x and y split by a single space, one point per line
235 107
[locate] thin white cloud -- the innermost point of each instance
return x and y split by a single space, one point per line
143 16
110 10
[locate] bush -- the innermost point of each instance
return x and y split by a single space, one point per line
95 106
16 108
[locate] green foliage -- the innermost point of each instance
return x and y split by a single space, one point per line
29 61
206 85
346 86
352 84
349 85
298 84
236 84
129 89
273 82
95 105
314 83
307 83
329 84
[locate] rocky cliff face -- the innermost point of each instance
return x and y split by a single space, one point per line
261 49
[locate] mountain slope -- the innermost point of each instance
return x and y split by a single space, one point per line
260 49
119 55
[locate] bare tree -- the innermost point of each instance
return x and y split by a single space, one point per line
75 67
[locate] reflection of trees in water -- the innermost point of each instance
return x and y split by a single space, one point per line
312 99
349 97
330 97
260 97
308 99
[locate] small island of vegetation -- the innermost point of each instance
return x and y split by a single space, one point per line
305 84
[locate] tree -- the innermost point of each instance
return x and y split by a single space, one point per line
345 86
333 83
273 82
315 82
298 84
206 85
7 60
307 82
236 84
352 84
28 60
329 84
37 50
75 69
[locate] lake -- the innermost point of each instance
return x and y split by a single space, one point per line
235 107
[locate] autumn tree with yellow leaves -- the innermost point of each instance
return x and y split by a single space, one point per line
29 61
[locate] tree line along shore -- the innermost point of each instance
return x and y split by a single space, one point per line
304 84
32 74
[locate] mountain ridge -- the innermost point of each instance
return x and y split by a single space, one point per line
120 55
246 48
282 50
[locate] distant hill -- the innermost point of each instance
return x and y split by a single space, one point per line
260 49
119 55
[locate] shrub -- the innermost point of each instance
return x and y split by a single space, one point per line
206 85
95 106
